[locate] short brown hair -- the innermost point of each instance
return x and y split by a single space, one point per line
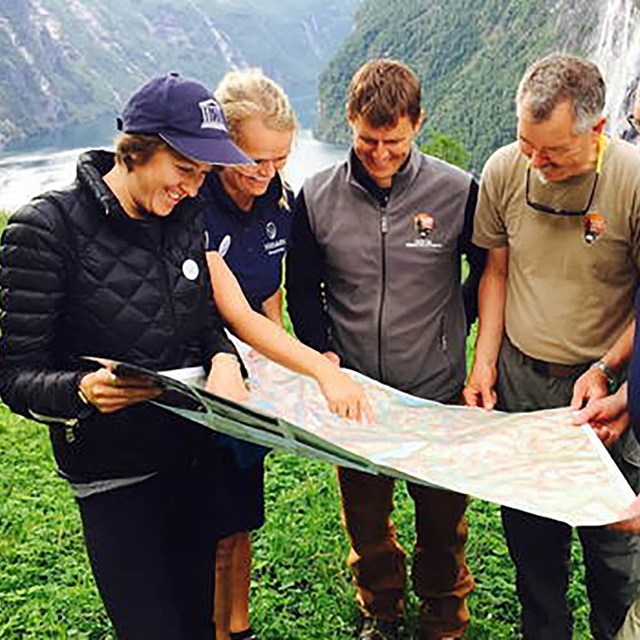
134 149
382 91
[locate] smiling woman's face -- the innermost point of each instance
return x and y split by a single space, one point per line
159 184
268 148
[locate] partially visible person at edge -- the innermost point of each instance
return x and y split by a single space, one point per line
632 131
373 279
559 212
248 219
115 266
614 413
611 416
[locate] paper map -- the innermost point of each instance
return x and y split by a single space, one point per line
538 462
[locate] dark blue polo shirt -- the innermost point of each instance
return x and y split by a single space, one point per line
253 242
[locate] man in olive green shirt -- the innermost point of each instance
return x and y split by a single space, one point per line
559 211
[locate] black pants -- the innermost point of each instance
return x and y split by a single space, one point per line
152 551
540 547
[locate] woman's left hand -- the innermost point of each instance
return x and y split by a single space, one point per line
225 378
344 396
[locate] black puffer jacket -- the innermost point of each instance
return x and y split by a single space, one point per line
81 278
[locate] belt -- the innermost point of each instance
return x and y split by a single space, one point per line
557 370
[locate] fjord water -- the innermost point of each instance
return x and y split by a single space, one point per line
49 163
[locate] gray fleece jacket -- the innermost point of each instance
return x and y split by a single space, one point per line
375 274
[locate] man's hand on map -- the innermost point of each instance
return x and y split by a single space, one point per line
631 524
590 386
479 390
225 377
609 417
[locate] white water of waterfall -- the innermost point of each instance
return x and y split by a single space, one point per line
617 53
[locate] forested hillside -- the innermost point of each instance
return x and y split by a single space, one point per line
469 54
67 61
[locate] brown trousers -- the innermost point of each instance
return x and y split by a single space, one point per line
440 574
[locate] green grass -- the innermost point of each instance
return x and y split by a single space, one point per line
301 587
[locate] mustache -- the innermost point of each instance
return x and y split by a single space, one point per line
548 165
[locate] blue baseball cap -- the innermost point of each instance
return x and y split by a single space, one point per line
186 116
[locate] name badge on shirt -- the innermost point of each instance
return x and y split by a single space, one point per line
424 225
274 246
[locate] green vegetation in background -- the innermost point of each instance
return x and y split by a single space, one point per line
469 55
448 149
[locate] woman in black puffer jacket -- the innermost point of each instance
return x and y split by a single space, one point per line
115 266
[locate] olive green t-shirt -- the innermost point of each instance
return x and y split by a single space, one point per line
567 300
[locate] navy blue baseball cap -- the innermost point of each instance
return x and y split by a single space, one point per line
186 116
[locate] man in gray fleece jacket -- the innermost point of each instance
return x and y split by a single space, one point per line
373 280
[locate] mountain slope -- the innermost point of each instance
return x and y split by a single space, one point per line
67 61
469 55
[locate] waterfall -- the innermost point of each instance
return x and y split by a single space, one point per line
617 53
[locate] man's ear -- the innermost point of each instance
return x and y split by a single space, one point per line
421 121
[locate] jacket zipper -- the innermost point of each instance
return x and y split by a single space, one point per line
165 278
384 228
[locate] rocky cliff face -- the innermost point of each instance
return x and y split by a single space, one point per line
68 61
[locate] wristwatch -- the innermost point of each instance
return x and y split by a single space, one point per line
612 377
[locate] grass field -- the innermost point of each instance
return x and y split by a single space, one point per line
301 589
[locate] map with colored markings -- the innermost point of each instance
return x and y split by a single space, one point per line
538 462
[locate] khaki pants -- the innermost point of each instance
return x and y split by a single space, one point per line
440 574
631 628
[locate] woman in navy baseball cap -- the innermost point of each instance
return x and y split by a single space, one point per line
114 267
173 132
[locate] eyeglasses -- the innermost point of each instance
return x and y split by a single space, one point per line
602 143
559 212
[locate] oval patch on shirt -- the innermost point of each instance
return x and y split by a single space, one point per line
190 269
225 243
272 230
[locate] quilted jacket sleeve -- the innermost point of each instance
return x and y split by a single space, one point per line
33 263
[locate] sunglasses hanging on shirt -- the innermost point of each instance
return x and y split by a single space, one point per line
594 223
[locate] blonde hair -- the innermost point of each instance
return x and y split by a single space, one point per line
249 93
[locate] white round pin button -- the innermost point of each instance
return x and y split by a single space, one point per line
190 269
224 246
